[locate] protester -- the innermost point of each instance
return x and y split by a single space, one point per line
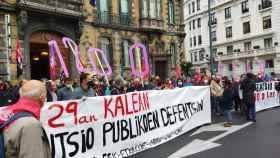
52 92
67 92
86 87
3 94
248 86
24 137
227 102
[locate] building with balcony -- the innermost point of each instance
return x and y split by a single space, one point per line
245 35
33 23
114 25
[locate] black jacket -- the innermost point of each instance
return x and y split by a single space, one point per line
248 88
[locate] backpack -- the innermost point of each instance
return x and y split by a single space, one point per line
2 126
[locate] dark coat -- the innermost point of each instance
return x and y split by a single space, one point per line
227 99
248 88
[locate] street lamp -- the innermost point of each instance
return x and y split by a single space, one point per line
210 40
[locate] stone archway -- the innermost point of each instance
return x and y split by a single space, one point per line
39 54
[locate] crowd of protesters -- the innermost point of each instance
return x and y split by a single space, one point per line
24 101
226 94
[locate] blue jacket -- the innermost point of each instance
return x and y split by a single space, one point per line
65 93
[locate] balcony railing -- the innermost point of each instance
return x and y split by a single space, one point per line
107 18
150 24
248 54
66 7
265 4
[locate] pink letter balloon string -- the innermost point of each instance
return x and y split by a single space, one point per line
54 49
146 69
69 43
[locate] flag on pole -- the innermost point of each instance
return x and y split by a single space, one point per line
178 72
93 3
52 63
19 59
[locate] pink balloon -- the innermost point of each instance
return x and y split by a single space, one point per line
69 43
54 47
146 70
94 65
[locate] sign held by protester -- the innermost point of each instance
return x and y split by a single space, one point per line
119 126
266 96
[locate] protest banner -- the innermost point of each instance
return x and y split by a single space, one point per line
266 96
119 126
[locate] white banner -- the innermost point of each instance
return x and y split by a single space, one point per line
266 96
119 126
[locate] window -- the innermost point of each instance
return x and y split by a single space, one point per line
103 11
266 4
246 27
247 46
199 40
230 50
229 67
193 24
192 57
213 36
201 55
125 54
268 43
198 22
151 8
267 22
228 13
193 7
190 24
145 9
213 19
173 52
198 5
245 6
190 42
195 56
214 51
125 12
269 64
194 41
159 48
189 6
229 32
106 46
171 16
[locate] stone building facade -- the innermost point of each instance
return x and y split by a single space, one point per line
112 25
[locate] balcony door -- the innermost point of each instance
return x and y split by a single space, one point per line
124 11
103 11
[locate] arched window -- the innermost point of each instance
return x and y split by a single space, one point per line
171 12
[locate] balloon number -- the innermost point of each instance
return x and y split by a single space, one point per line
54 49
69 43
96 51
139 73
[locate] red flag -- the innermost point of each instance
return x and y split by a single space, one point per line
178 72
19 59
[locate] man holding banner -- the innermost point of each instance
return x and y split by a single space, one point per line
23 136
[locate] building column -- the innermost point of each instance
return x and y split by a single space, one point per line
116 55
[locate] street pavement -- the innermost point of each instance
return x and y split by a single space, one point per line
243 140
